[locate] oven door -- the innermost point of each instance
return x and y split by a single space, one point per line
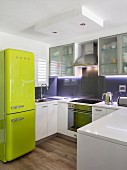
78 118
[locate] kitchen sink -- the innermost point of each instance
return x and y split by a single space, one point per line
89 101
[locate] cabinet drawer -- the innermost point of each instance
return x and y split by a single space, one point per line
99 111
95 117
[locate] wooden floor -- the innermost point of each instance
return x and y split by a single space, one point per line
54 154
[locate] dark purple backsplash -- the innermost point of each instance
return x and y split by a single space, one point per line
52 89
69 86
112 84
91 86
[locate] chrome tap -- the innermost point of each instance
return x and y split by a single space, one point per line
43 85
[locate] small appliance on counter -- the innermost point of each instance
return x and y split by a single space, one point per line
122 101
108 98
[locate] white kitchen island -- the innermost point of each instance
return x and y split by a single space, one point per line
102 144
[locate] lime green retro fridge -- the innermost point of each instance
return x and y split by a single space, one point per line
17 104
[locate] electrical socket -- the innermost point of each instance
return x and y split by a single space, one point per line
122 88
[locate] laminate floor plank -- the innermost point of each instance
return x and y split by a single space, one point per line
55 154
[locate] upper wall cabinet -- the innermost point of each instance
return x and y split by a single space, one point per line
124 54
108 56
61 60
113 55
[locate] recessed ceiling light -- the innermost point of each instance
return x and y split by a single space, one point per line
82 24
54 32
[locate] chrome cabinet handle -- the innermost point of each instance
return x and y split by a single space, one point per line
99 110
55 104
17 119
44 106
17 107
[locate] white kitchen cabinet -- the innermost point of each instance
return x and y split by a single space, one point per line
41 121
102 145
95 117
94 153
98 112
46 119
62 118
113 55
108 56
52 118
110 110
61 60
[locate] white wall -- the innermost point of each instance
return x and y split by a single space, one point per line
40 49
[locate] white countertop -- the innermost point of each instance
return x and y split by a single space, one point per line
45 102
114 105
112 127
56 99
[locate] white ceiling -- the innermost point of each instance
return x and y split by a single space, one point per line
37 19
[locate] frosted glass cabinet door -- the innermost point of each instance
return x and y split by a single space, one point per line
108 59
124 53
67 61
61 60
55 61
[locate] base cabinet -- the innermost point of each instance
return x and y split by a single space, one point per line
95 117
62 121
52 118
97 154
108 111
41 121
99 112
46 120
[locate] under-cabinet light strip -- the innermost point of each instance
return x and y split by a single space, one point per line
69 77
116 76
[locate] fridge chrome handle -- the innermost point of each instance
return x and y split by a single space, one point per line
17 107
17 119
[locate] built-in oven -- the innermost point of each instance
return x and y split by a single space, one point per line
78 116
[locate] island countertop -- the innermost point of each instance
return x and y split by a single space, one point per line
112 127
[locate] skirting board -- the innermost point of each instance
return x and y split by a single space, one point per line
55 135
